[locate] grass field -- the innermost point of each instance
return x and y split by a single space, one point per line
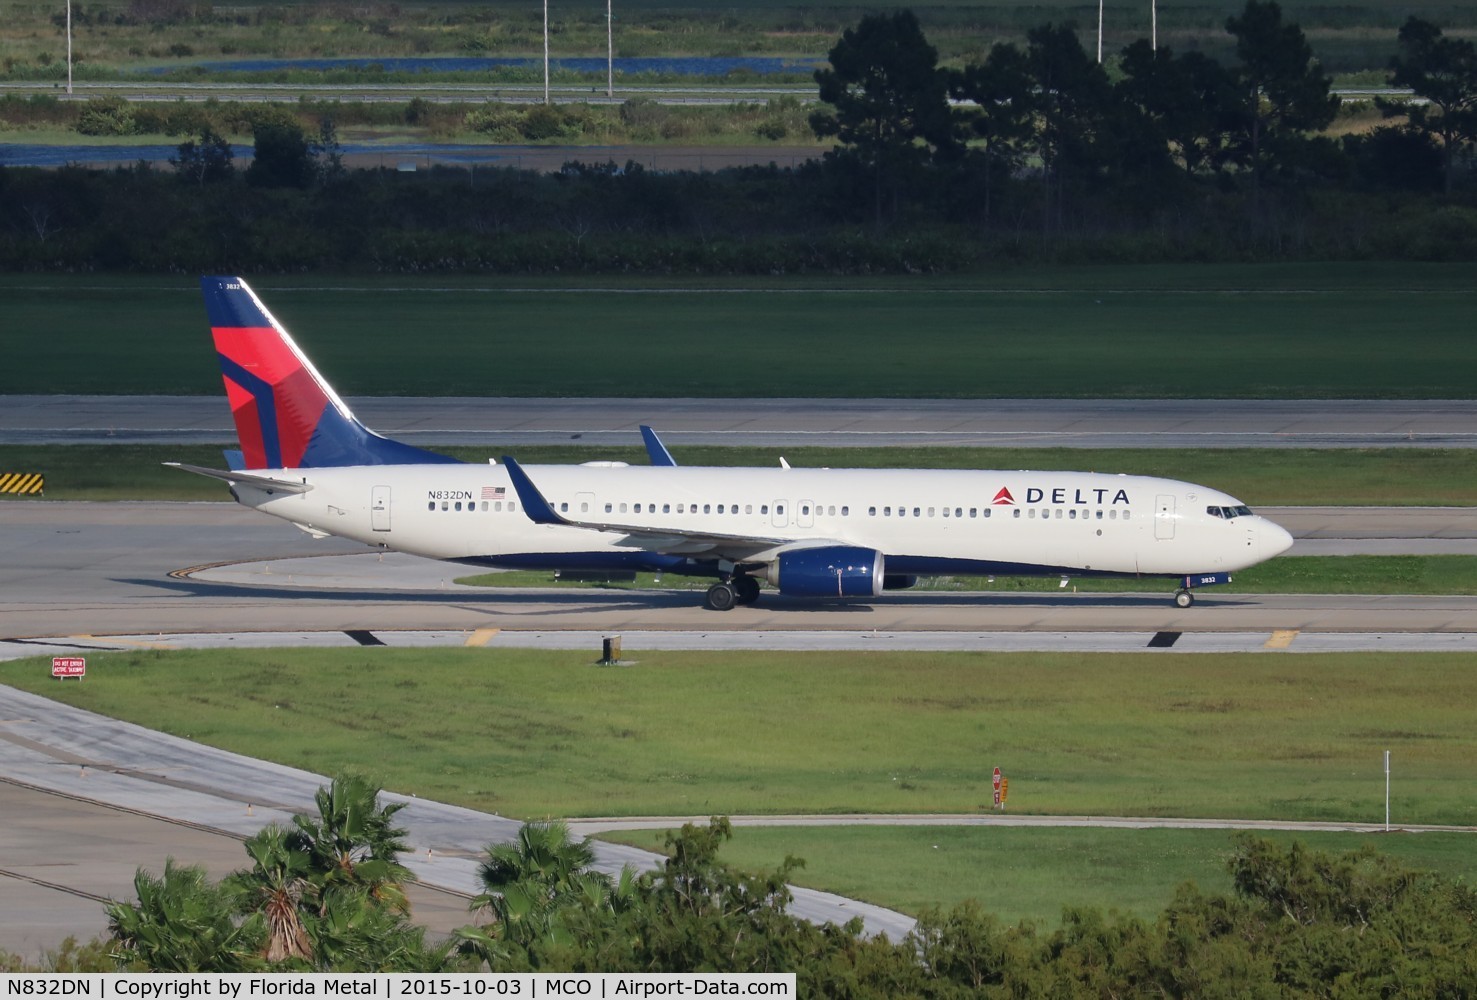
1032 874
1260 477
541 733
1312 331
530 734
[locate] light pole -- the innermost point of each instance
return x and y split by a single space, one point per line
1100 32
69 46
546 51
609 53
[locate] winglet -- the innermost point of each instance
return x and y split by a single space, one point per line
655 450
539 510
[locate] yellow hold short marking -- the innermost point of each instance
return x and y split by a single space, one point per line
1281 638
481 637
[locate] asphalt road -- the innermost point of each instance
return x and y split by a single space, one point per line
1010 423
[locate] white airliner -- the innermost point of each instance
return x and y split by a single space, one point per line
821 533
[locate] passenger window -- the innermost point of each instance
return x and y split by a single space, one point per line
871 511
831 511
1127 514
748 508
512 505
458 505
1032 514
431 505
1072 514
959 512
607 508
886 511
1016 512
764 508
946 512
845 511
1058 513
497 505
623 508
484 506
666 508
707 508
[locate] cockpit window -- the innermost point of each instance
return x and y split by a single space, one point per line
1240 510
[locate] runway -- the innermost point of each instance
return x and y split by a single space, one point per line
788 423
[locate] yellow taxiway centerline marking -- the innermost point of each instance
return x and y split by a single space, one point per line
481 636
1281 638
124 642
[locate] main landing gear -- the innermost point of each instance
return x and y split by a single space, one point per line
723 595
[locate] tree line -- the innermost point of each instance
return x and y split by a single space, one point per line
328 893
1034 153
1168 125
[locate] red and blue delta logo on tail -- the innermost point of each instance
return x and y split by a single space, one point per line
286 416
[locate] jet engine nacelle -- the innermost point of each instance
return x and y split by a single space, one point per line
833 571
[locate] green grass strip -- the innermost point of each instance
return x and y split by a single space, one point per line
536 733
1311 331
1032 874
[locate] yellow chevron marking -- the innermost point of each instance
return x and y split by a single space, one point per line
1281 638
481 637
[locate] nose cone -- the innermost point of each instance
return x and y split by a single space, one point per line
1272 539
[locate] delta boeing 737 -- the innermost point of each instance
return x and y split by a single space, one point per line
819 533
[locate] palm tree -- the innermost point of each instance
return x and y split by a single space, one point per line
276 886
352 844
182 923
529 883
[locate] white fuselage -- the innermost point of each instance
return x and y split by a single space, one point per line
922 521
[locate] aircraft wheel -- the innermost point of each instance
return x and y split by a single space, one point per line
747 589
721 597
1183 598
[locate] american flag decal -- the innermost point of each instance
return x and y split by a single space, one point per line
492 492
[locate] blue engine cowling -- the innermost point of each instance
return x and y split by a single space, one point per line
833 571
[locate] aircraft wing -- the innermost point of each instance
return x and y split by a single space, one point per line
669 539
267 483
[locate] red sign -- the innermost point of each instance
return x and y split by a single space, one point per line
996 780
69 666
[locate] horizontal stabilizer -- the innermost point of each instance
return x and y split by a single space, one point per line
245 478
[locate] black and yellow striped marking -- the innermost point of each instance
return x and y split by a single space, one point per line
22 482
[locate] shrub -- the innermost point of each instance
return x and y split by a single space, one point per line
107 116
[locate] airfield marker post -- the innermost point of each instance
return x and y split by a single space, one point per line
1387 791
